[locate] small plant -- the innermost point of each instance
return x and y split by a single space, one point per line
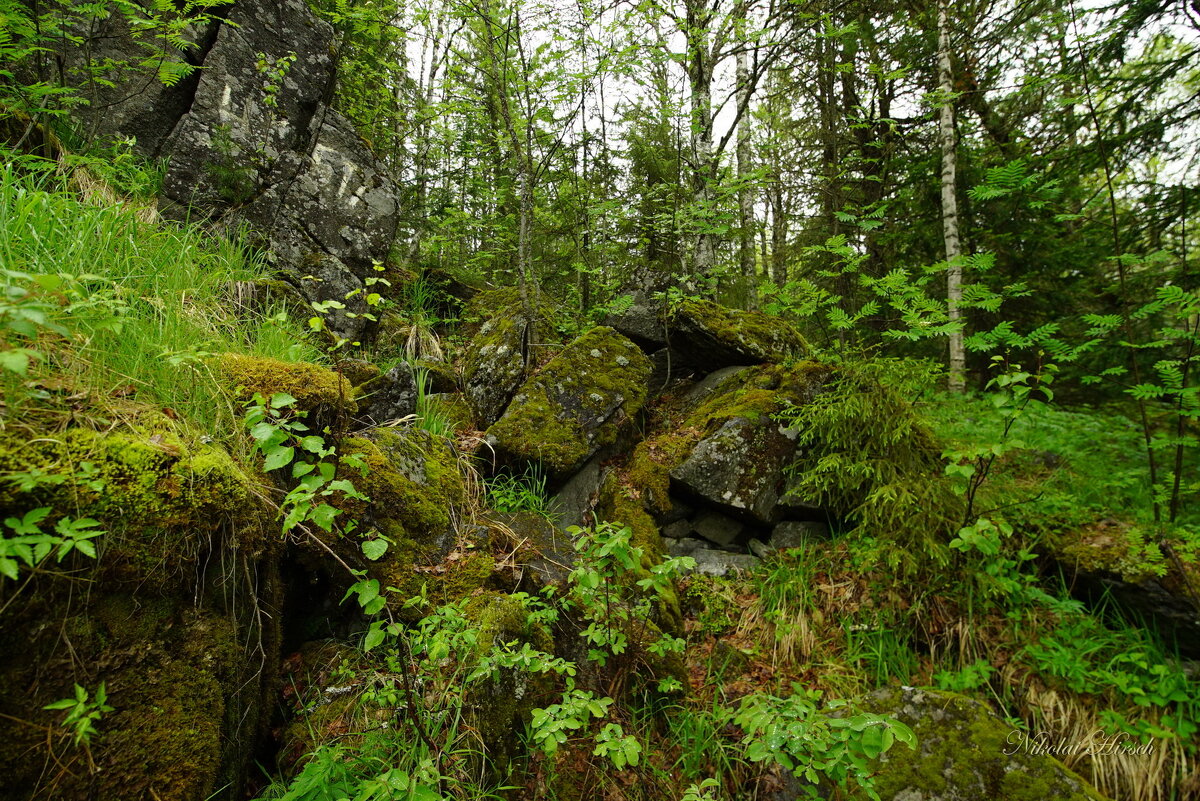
507 492
283 440
815 744
30 546
83 712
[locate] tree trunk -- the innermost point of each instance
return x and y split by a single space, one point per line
699 16
957 379
744 167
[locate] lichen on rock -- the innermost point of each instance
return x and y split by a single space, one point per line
495 361
562 416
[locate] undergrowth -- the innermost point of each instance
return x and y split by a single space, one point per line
100 304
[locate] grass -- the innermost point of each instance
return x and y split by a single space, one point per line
112 307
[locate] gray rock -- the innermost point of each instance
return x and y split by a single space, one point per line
387 397
296 174
679 510
759 548
722 563
686 546
494 359
641 321
717 528
573 504
797 533
710 383
677 530
551 552
964 753
705 335
740 468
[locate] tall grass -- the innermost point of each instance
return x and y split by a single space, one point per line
124 308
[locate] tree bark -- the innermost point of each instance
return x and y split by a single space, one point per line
744 167
957 378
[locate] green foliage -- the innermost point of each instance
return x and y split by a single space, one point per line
84 711
284 441
817 743
122 306
27 37
30 546
1128 668
867 455
969 677
526 492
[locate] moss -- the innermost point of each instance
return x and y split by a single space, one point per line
499 708
314 387
752 394
168 670
961 752
162 496
748 332
414 484
453 408
1110 546
494 363
576 404
411 477
439 375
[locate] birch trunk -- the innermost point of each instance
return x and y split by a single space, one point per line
745 198
957 379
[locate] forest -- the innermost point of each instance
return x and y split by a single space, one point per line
638 400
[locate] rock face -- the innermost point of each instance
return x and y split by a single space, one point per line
562 416
965 753
251 137
390 396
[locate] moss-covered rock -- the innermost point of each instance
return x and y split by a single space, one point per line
314 387
964 751
499 709
416 489
707 335
1116 561
723 445
575 405
185 559
162 495
496 358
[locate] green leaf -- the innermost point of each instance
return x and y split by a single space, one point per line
279 457
374 549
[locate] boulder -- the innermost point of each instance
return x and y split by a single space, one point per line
250 137
495 359
572 505
390 396
717 528
740 467
724 449
796 534
563 415
722 563
705 335
965 753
